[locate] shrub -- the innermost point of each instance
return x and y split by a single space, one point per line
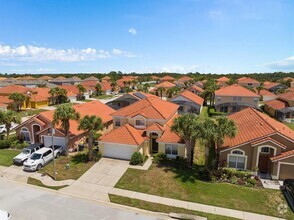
96 155
137 158
204 174
251 182
6 143
159 157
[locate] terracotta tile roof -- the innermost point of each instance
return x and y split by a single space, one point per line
40 94
152 108
3 105
268 139
26 78
91 78
165 84
197 88
246 80
13 88
71 90
75 78
154 77
170 137
5 100
89 108
289 96
191 96
269 85
283 155
235 90
167 78
106 86
154 127
2 78
125 134
45 77
106 78
265 92
185 79
60 78
276 104
142 95
253 125
223 79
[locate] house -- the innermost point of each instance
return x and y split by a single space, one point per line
222 81
143 126
274 86
38 128
188 102
2 78
73 92
248 82
282 108
106 79
291 81
128 99
266 95
66 81
5 103
90 85
234 98
39 97
92 78
184 79
106 87
8 90
195 89
262 144
164 86
167 79
46 78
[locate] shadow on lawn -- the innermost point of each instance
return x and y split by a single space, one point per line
80 158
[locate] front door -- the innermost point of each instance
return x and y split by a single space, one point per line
263 164
154 146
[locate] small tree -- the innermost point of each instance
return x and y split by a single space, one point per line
7 118
18 100
98 89
81 89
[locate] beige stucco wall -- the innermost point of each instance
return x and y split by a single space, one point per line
269 110
247 85
226 99
181 149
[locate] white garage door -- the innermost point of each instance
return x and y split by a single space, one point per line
119 151
56 141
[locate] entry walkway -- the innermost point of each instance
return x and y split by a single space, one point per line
190 205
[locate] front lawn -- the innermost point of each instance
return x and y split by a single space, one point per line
183 184
154 207
6 157
290 125
36 182
103 96
78 165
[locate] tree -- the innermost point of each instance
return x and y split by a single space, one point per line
91 124
57 95
209 91
81 89
259 88
113 85
52 93
146 87
62 115
98 88
7 118
18 100
188 128
161 90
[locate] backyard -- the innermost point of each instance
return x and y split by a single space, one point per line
6 157
30 112
183 184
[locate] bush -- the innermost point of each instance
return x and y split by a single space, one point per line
6 143
137 158
159 157
251 182
212 112
204 174
96 155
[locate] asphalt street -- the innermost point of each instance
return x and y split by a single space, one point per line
29 203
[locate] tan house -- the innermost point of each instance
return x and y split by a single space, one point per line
167 79
235 98
38 128
248 82
143 126
262 144
195 89
222 81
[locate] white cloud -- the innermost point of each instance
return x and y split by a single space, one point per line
35 54
133 31
287 63
180 69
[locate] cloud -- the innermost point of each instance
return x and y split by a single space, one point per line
133 31
39 54
180 69
216 15
287 63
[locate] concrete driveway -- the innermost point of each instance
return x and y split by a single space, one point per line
99 179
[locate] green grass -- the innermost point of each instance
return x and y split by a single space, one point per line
6 157
78 165
204 112
86 100
103 96
290 125
30 112
36 182
161 208
183 184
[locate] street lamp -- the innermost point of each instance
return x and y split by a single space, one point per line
53 148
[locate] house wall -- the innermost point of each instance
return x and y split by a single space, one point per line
230 99
181 149
249 84
271 111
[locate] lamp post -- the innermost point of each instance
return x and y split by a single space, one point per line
53 148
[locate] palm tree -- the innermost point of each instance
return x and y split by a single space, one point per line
161 90
62 115
81 89
52 93
98 88
113 85
209 91
259 88
146 87
170 92
92 124
188 128
18 100
7 118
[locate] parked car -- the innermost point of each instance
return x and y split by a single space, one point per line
4 215
289 188
2 129
39 159
57 150
26 153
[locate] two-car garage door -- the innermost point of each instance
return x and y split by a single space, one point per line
286 171
56 140
119 151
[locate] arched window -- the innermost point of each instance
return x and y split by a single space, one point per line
238 152
237 159
26 134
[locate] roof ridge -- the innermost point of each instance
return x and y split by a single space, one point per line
127 125
265 120
154 107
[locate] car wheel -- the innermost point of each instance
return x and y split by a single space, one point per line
39 167
57 155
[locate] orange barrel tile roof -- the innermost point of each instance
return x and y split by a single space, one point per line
235 90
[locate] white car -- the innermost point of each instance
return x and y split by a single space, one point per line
39 159
26 153
2 128
4 215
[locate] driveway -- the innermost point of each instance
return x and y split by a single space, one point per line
99 179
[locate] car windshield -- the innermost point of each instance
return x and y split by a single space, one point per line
36 156
1 126
26 151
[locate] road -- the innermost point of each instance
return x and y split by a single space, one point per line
29 203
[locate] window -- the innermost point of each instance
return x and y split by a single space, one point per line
224 109
255 99
239 98
219 99
140 122
249 84
237 160
117 122
265 150
171 150
26 134
181 108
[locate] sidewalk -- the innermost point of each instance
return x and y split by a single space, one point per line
190 205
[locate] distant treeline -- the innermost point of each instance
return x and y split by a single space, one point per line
147 76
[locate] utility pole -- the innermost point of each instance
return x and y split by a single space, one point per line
53 148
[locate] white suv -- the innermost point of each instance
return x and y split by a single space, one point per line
2 128
39 159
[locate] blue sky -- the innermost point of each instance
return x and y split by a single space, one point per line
217 36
